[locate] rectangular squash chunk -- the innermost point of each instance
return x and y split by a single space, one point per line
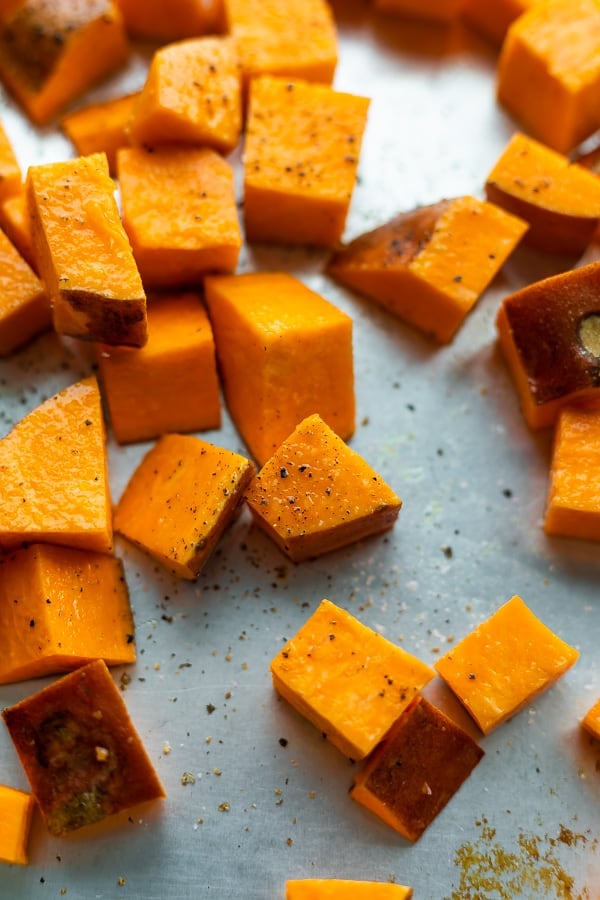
339 889
504 663
442 11
346 679
591 720
417 769
493 17
10 171
315 494
284 353
101 128
83 254
61 608
157 20
16 224
81 753
24 305
16 811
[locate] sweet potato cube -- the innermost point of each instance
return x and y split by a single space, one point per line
338 889
61 608
53 474
573 507
81 753
155 20
192 95
100 128
179 212
16 224
10 172
291 39
24 305
83 254
346 679
504 663
418 768
591 720
548 83
180 500
430 266
315 494
51 53
494 17
170 384
302 149
16 810
548 332
441 11
284 353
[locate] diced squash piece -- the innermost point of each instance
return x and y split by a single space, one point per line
559 200
347 679
100 128
24 305
590 160
549 335
493 17
431 265
338 889
61 608
504 663
16 224
155 20
192 95
83 254
16 811
10 171
301 155
315 494
284 353
549 71
51 53
418 768
287 38
573 506
180 213
81 753
180 500
170 384
441 11
591 720
53 474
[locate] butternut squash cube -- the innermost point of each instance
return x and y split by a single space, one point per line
440 11
81 753
16 811
51 53
83 254
180 500
346 679
155 20
53 474
100 128
548 83
192 95
430 266
301 155
573 506
504 663
24 305
548 332
61 608
170 384
284 352
591 720
16 224
494 17
10 171
315 494
180 213
338 889
417 769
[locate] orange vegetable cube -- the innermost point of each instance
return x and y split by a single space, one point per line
10 171
81 753
180 213
83 254
493 17
346 679
51 53
53 478
192 95
573 506
155 20
24 305
548 83
417 769
100 128
180 500
591 720
338 889
504 663
61 608
284 352
549 335
16 811
291 39
302 148
431 265
16 224
441 11
170 384
315 494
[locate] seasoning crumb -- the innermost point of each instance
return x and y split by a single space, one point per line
224 807
166 748
187 778
121 881
289 841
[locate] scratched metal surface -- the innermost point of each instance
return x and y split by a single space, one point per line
443 427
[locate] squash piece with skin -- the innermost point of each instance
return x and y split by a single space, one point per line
24 305
100 127
339 889
10 171
16 811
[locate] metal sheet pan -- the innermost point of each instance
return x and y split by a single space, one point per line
269 800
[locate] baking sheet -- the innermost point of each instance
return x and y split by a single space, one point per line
269 798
